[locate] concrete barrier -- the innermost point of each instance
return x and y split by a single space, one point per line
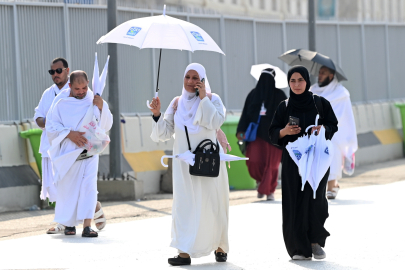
378 124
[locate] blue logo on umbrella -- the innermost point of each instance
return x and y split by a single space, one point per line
133 31
197 36
297 154
327 150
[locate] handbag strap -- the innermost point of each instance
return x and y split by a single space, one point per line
188 140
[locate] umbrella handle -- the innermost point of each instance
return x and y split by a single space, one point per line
163 157
147 102
311 126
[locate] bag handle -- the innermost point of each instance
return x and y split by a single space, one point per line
188 140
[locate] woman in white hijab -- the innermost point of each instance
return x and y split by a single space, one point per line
200 204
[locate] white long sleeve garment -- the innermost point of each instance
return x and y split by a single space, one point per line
42 110
200 204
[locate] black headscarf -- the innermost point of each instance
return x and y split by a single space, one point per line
264 92
304 101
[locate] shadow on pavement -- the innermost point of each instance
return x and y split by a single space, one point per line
217 266
268 202
314 264
349 202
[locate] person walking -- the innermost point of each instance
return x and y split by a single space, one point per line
200 204
345 140
264 158
303 216
75 173
60 76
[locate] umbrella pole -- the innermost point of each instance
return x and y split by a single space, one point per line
157 83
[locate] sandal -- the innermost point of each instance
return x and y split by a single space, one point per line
89 232
70 230
331 195
59 228
99 217
220 256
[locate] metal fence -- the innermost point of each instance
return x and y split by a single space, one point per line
32 34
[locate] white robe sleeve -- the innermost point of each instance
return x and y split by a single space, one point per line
41 110
210 113
106 118
163 129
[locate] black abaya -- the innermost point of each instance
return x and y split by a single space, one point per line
303 216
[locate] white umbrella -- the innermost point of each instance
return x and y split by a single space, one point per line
161 32
189 158
97 139
98 82
281 77
323 154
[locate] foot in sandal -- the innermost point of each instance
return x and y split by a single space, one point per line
89 232
59 228
99 217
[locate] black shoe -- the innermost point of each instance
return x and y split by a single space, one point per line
179 261
89 232
70 230
220 256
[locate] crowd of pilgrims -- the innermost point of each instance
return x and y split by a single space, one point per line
200 211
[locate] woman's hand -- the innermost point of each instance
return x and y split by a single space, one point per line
155 105
317 129
201 89
290 130
240 135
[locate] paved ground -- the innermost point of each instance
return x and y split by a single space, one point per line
366 223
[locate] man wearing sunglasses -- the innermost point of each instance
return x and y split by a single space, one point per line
60 76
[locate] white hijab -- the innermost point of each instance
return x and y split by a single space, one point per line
189 102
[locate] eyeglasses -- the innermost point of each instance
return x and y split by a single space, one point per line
58 70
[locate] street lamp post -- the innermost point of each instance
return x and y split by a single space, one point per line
113 97
311 29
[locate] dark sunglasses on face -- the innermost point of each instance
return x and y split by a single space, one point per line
58 70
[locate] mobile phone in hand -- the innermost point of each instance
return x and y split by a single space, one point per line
197 92
294 121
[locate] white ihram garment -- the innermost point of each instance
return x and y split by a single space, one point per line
345 139
48 189
76 181
200 204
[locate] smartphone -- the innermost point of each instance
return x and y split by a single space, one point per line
197 92
294 121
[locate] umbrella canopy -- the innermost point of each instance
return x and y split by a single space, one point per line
161 32
281 77
98 82
313 61
323 154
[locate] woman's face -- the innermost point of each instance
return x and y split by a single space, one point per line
190 80
297 83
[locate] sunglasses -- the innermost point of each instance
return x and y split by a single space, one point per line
58 70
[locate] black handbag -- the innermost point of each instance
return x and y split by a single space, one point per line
207 160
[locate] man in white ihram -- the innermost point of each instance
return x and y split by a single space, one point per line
75 173
345 139
60 76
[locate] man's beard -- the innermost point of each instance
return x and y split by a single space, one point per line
325 82
77 97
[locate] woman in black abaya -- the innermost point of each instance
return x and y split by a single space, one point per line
303 217
264 158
